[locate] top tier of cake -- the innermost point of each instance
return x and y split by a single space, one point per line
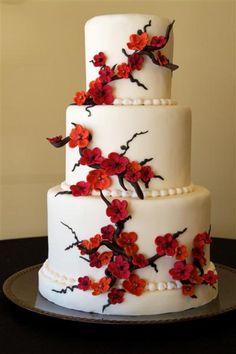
110 34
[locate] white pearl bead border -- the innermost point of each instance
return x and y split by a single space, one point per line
143 101
66 281
148 193
151 286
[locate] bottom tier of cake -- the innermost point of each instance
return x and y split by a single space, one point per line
157 301
184 218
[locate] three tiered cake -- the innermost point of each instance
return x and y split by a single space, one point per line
128 232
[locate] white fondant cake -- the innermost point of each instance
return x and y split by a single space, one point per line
128 232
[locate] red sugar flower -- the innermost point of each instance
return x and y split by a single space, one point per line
102 286
188 290
123 70
116 296
99 59
81 189
201 239
138 41
146 173
108 232
80 97
162 60
106 74
158 41
94 260
93 242
84 283
101 94
119 268
135 61
117 210
181 253
134 285
133 172
199 254
98 179
115 164
139 260
105 257
195 278
210 277
166 245
181 270
127 240
91 157
79 136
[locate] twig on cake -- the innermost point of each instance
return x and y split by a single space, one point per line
126 146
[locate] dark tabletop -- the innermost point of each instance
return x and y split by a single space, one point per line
22 331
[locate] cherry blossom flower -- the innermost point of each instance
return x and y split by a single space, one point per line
188 290
201 239
106 74
108 232
166 245
133 172
146 174
181 270
84 283
199 254
80 97
139 260
116 296
115 164
158 41
100 287
81 189
79 136
119 268
117 210
127 240
99 179
93 242
99 59
210 277
91 157
135 61
138 41
123 70
181 253
134 285
101 94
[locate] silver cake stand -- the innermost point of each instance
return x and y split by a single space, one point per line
22 289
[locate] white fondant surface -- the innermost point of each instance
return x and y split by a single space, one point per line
168 140
109 34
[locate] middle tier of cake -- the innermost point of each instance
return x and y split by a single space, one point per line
165 137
